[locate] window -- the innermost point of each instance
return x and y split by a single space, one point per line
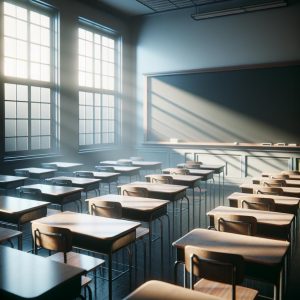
29 78
98 74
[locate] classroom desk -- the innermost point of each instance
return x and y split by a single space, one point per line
87 184
159 290
144 165
65 166
287 191
11 182
283 204
28 276
170 192
142 210
93 233
270 224
39 173
264 258
187 180
127 171
288 182
6 234
270 174
59 195
106 177
19 211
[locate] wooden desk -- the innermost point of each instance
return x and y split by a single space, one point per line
159 290
59 195
283 204
264 258
11 182
192 182
287 191
39 173
127 171
270 174
19 211
288 182
65 166
7 234
103 235
28 276
170 192
142 210
87 184
144 165
106 177
270 224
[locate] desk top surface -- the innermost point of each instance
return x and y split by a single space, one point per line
268 217
97 227
54 190
37 170
37 275
217 167
195 172
291 176
14 205
7 233
136 203
157 187
277 199
285 189
180 177
289 182
254 249
76 180
8 178
103 175
65 165
136 163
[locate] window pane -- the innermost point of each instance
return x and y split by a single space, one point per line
35 127
35 94
22 110
10 144
22 92
45 111
35 110
10 91
45 142
35 143
10 47
10 26
22 143
10 109
35 34
45 127
21 30
10 128
45 95
22 127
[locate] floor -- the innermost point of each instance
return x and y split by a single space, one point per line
121 286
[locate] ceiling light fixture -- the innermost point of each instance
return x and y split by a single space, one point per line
237 10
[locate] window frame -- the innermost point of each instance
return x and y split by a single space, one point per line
52 84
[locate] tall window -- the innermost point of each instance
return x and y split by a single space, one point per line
29 78
98 78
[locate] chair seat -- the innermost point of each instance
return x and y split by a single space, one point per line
223 290
141 232
83 261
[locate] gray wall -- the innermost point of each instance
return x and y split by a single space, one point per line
174 41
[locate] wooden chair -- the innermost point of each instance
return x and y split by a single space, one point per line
164 179
179 171
239 224
111 209
258 203
269 190
221 273
273 182
60 240
30 193
136 191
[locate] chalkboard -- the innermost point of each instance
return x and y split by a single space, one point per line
252 104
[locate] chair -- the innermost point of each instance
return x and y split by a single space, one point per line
179 171
84 174
193 164
30 193
164 179
111 209
280 176
273 182
290 172
136 191
60 240
269 190
239 224
221 273
258 203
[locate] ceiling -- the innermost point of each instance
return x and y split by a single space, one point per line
144 7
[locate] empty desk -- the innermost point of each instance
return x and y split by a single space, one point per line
7 234
11 182
38 173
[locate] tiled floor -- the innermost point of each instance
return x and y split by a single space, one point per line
121 284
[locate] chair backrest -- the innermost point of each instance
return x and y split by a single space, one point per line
108 209
192 165
135 191
179 171
239 224
273 182
164 179
85 174
49 166
124 162
269 190
105 169
61 182
51 238
136 158
258 203
22 173
30 193
216 266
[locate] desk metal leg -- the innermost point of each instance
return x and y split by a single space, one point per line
150 248
110 276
